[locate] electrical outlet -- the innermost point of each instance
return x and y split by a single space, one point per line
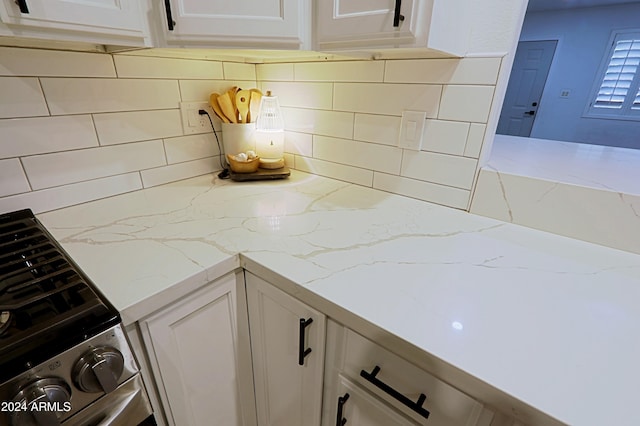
192 121
411 127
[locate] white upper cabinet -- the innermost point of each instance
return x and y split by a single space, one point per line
96 21
248 23
438 25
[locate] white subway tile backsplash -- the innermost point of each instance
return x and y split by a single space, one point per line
75 193
359 154
200 90
474 140
148 67
51 63
62 168
83 95
443 71
29 136
21 97
347 173
319 122
274 72
444 169
298 143
174 172
237 71
439 194
118 127
466 103
122 127
389 99
289 160
382 129
448 137
362 71
192 147
12 178
301 95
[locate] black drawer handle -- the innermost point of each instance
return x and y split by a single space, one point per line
170 22
340 420
302 352
415 406
397 17
22 4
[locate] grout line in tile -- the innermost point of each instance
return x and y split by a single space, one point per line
44 96
25 175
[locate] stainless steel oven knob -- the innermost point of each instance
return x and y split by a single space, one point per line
44 402
98 370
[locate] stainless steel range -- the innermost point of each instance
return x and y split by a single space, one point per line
64 358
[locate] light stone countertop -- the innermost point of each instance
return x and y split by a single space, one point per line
516 317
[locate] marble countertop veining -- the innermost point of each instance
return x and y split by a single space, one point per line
593 166
550 321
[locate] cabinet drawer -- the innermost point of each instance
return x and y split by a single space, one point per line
359 407
401 384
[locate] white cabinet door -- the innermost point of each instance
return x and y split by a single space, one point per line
287 393
365 22
200 356
245 23
439 26
115 17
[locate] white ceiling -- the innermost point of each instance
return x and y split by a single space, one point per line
538 5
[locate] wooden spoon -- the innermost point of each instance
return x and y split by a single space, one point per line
213 101
242 103
254 105
226 105
232 95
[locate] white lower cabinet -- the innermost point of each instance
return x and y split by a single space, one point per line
377 379
356 406
199 353
240 351
287 343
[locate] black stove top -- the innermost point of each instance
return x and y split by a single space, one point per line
47 304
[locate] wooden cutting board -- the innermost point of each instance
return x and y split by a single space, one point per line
261 174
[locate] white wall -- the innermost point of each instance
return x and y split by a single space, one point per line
76 127
343 120
583 36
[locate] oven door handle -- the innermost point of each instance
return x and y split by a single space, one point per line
128 404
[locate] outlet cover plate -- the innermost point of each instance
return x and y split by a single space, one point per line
192 122
411 129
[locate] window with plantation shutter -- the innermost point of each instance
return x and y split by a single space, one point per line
618 94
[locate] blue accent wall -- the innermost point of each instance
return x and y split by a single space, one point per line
583 39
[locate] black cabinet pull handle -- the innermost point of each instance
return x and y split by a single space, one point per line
22 4
302 352
397 17
415 406
170 22
341 421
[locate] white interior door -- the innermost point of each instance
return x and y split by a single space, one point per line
526 84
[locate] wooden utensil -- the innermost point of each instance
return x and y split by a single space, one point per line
226 105
254 105
213 101
232 95
242 103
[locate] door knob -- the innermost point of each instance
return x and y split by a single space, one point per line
529 113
